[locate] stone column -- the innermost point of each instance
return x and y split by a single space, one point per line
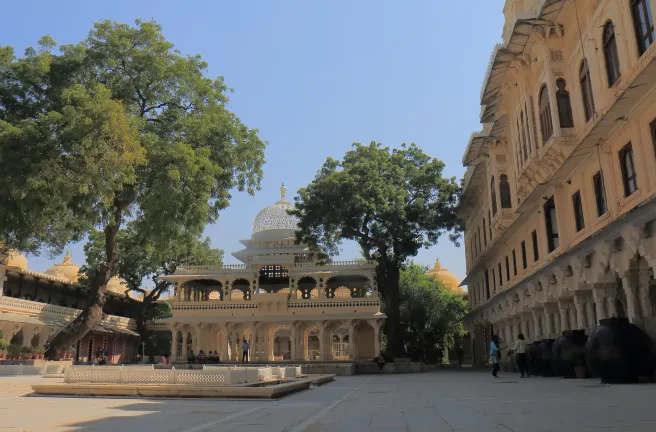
198 331
526 325
536 325
252 352
599 295
322 341
548 317
223 345
305 344
629 283
185 347
376 337
563 310
293 338
579 305
352 343
174 343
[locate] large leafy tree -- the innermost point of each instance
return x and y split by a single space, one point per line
391 202
430 313
118 127
142 261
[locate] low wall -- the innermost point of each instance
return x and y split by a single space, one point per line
146 374
41 368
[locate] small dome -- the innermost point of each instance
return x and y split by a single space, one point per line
275 217
448 279
15 259
117 285
66 269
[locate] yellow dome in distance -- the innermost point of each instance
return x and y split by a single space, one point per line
15 259
66 269
448 279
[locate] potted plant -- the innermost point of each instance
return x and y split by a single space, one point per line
26 353
3 348
38 352
13 351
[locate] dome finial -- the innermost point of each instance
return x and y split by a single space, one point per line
283 193
67 257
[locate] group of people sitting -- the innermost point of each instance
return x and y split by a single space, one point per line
202 358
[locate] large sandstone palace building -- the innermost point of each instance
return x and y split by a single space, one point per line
285 303
561 181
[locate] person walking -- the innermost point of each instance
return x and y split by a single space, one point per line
520 351
495 354
461 355
244 351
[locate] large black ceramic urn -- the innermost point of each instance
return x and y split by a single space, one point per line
619 352
544 355
568 352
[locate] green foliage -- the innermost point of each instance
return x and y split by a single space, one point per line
121 121
392 202
14 349
3 343
119 127
142 258
430 314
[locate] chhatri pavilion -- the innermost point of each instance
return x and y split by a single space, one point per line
289 305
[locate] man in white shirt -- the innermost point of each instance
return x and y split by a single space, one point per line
520 350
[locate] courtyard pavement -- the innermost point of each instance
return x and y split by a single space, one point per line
459 400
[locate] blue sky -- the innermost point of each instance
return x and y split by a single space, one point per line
313 77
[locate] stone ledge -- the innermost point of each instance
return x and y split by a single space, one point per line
182 390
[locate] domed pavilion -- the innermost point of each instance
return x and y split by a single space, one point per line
286 303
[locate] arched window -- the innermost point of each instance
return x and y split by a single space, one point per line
564 104
643 24
610 54
504 192
493 196
586 90
524 136
629 176
546 123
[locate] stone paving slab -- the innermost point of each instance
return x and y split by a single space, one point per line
440 401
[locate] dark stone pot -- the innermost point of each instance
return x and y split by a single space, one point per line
544 355
568 352
532 360
619 352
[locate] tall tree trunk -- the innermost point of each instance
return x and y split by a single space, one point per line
92 315
389 277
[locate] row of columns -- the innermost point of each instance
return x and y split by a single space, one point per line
229 338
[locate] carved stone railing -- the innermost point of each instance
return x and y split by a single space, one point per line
158 325
349 263
210 267
21 306
334 303
212 305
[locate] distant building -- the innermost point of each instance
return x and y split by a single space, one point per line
282 300
559 194
448 279
35 306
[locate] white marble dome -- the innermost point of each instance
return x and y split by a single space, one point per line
275 217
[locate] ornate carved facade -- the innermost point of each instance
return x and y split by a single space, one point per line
288 306
569 118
